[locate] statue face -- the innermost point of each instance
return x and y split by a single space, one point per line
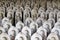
26 15
13 33
17 14
28 22
33 26
7 26
39 23
5 20
46 26
34 15
20 26
26 32
52 22
9 15
51 15
42 16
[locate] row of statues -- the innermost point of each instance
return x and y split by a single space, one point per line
30 20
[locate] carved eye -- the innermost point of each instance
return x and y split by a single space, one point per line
47 25
4 38
37 38
21 38
0 31
10 35
42 31
27 31
5 20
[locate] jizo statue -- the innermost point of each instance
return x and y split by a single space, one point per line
28 21
6 26
12 32
26 13
56 30
36 36
5 36
33 27
2 12
18 16
34 14
43 3
2 30
19 26
26 30
51 15
4 20
59 4
53 36
58 15
49 4
20 36
55 3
